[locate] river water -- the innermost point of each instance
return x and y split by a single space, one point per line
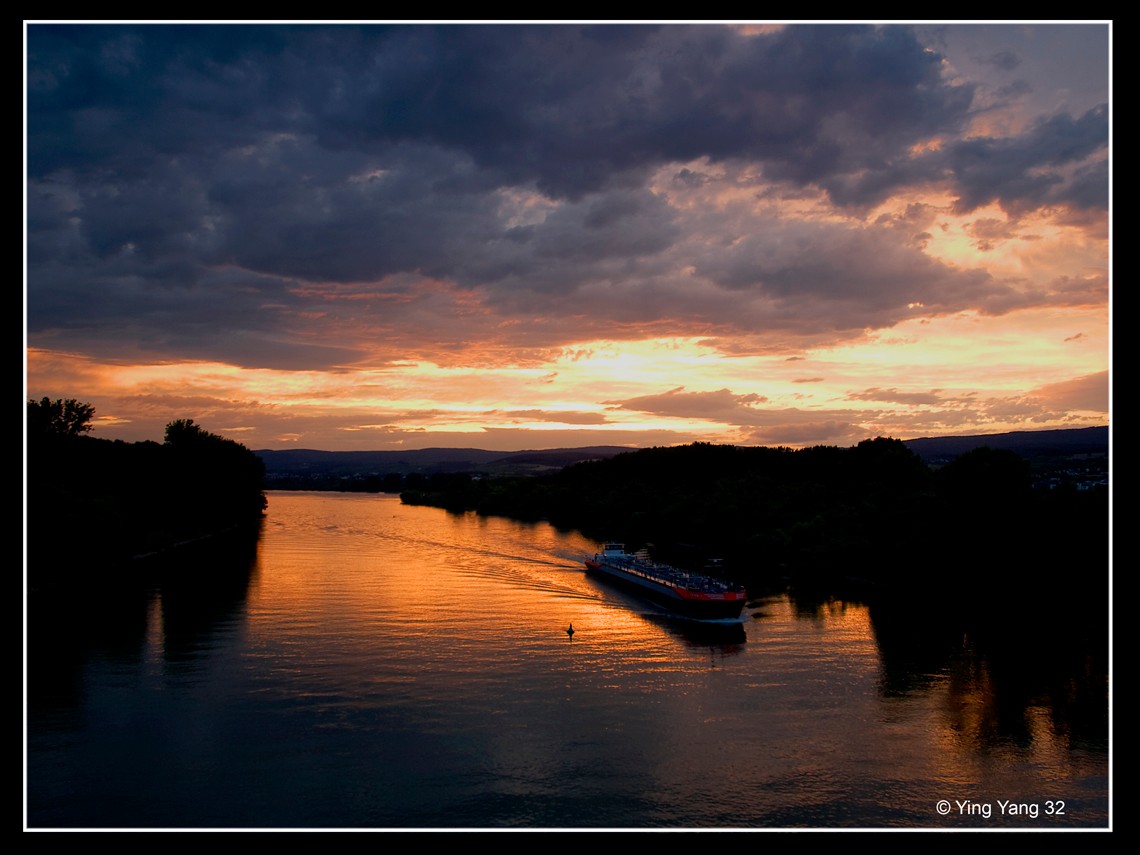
375 665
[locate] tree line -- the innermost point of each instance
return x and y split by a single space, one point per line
874 512
92 505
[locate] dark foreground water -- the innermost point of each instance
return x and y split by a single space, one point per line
373 665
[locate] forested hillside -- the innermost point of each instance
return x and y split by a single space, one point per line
874 512
93 505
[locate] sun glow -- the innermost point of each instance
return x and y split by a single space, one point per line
599 386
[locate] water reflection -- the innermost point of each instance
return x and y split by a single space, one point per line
375 665
1007 675
202 591
170 608
726 636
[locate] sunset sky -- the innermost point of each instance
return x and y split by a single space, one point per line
536 236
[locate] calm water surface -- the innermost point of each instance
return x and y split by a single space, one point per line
375 665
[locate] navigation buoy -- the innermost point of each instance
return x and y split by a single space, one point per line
570 630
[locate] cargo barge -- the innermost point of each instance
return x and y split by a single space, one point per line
691 594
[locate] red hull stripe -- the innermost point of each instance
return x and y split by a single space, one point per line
701 595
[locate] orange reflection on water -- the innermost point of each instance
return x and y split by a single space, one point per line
447 592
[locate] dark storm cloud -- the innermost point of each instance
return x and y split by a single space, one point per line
1006 60
576 109
1027 171
1019 173
850 276
599 237
1088 189
116 100
193 186
572 109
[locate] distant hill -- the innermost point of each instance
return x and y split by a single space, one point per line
298 468
326 470
1028 444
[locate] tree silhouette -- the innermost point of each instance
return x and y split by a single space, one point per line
61 417
121 500
183 433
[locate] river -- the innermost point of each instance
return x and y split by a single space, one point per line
375 665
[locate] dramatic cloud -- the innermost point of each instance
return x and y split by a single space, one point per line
312 199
